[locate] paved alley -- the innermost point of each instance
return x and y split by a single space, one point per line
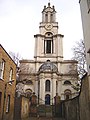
43 118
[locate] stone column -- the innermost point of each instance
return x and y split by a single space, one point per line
54 87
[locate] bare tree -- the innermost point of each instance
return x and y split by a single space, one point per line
15 56
79 54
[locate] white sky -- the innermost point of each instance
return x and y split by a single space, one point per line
19 22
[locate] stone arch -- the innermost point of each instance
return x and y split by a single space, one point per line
48 66
67 94
48 34
67 82
28 92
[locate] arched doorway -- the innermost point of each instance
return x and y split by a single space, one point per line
47 99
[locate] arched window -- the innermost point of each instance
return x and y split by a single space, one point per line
56 87
48 43
47 85
47 99
67 94
51 18
46 17
67 82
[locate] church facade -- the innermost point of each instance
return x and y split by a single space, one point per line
48 74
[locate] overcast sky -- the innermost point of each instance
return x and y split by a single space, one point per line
19 22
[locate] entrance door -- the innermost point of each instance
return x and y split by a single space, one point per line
47 99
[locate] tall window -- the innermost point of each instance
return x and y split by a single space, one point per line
56 87
47 85
46 17
51 18
10 74
88 3
48 46
0 100
2 66
8 104
48 43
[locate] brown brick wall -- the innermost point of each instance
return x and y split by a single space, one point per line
10 89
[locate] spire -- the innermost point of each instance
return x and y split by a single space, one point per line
49 3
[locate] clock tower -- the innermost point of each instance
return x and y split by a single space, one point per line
48 42
48 74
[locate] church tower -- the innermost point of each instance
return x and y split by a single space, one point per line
48 44
48 74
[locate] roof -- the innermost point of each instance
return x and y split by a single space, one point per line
7 53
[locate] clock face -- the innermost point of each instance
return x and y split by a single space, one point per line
48 26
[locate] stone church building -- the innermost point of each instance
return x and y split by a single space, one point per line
48 74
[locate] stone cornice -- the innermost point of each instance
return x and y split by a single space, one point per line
48 56
63 62
69 61
39 35
58 35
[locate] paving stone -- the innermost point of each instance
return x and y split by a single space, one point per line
43 118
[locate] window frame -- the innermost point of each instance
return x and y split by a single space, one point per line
8 104
47 85
2 68
10 76
48 46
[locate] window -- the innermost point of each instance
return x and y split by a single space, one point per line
2 66
48 46
48 43
56 87
0 100
88 3
10 74
67 82
47 85
46 17
67 94
8 104
67 97
51 18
